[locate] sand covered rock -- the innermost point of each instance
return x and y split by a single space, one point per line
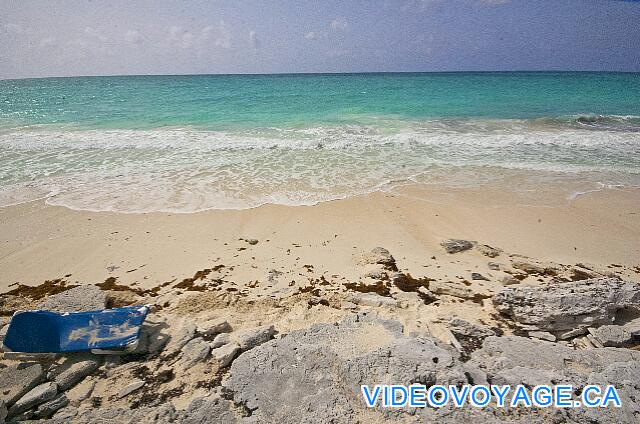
569 307
371 299
248 339
35 396
78 299
196 350
379 256
73 370
314 375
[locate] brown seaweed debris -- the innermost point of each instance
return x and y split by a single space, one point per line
111 284
407 283
48 288
379 287
188 283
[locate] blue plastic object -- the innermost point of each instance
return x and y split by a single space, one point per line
50 332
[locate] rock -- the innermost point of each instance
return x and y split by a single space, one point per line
478 276
39 394
580 273
314 375
378 255
451 288
348 305
251 241
568 307
462 328
47 409
456 246
618 335
225 354
495 266
542 335
3 411
375 272
316 300
80 392
509 280
371 299
489 251
426 295
220 340
528 267
248 339
73 370
156 339
18 379
130 388
213 327
180 336
78 299
162 414
196 350
211 409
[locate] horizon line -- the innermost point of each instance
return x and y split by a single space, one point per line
324 73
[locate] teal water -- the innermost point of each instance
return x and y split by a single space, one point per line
187 143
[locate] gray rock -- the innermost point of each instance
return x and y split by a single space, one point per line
518 360
509 280
568 307
78 299
460 327
211 409
196 350
225 354
618 335
542 335
251 241
528 267
478 276
180 336
162 414
18 379
495 266
3 411
456 245
314 375
220 340
371 299
47 409
33 397
130 388
213 327
73 370
248 339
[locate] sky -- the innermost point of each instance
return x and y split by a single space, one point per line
94 37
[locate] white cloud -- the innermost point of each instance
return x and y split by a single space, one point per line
339 24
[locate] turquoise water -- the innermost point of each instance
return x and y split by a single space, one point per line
187 143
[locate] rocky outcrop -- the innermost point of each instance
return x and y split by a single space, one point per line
456 245
569 308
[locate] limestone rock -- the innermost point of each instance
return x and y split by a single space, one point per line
378 255
3 411
33 397
509 280
456 245
451 288
571 306
371 299
220 340
248 339
478 276
78 299
80 392
542 335
212 409
213 327
528 267
489 251
196 350
18 379
225 354
130 388
49 408
73 370
618 335
180 334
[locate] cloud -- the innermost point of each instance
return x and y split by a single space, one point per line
311 35
254 42
339 24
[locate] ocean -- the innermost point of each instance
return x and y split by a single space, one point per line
191 143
